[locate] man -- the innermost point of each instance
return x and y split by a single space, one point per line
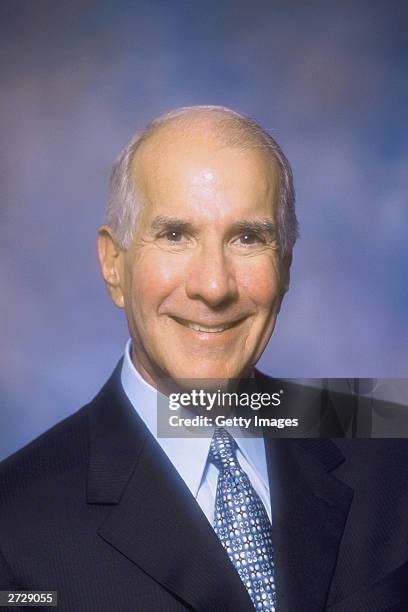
197 251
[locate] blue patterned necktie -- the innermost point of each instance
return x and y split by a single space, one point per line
242 524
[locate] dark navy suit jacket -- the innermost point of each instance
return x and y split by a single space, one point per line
95 510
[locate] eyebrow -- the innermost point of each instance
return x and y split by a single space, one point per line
163 222
263 225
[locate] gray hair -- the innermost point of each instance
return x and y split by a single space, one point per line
125 201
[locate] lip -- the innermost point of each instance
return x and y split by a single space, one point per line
201 328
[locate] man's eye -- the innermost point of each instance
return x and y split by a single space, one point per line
173 236
250 239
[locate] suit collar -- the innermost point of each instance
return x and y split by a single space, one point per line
155 521
310 405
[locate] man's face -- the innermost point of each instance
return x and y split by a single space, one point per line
203 281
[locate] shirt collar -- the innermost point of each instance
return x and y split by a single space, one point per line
181 450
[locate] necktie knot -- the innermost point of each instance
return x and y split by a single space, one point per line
223 450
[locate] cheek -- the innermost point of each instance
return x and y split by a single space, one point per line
261 283
155 276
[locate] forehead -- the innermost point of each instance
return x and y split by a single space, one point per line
192 168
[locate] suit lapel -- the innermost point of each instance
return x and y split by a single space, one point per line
155 522
309 504
310 508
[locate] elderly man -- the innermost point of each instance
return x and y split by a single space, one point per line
197 250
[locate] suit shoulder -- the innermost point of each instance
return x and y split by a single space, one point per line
61 449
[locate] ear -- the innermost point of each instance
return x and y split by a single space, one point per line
111 260
286 262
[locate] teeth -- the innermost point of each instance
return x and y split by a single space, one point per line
202 328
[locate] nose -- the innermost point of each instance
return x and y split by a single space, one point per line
211 277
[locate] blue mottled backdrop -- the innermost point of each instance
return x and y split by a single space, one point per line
329 79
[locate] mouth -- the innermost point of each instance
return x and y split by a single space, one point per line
208 329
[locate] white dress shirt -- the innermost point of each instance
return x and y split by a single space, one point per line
189 455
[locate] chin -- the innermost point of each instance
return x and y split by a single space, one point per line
206 371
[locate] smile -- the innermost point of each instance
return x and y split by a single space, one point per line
208 329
